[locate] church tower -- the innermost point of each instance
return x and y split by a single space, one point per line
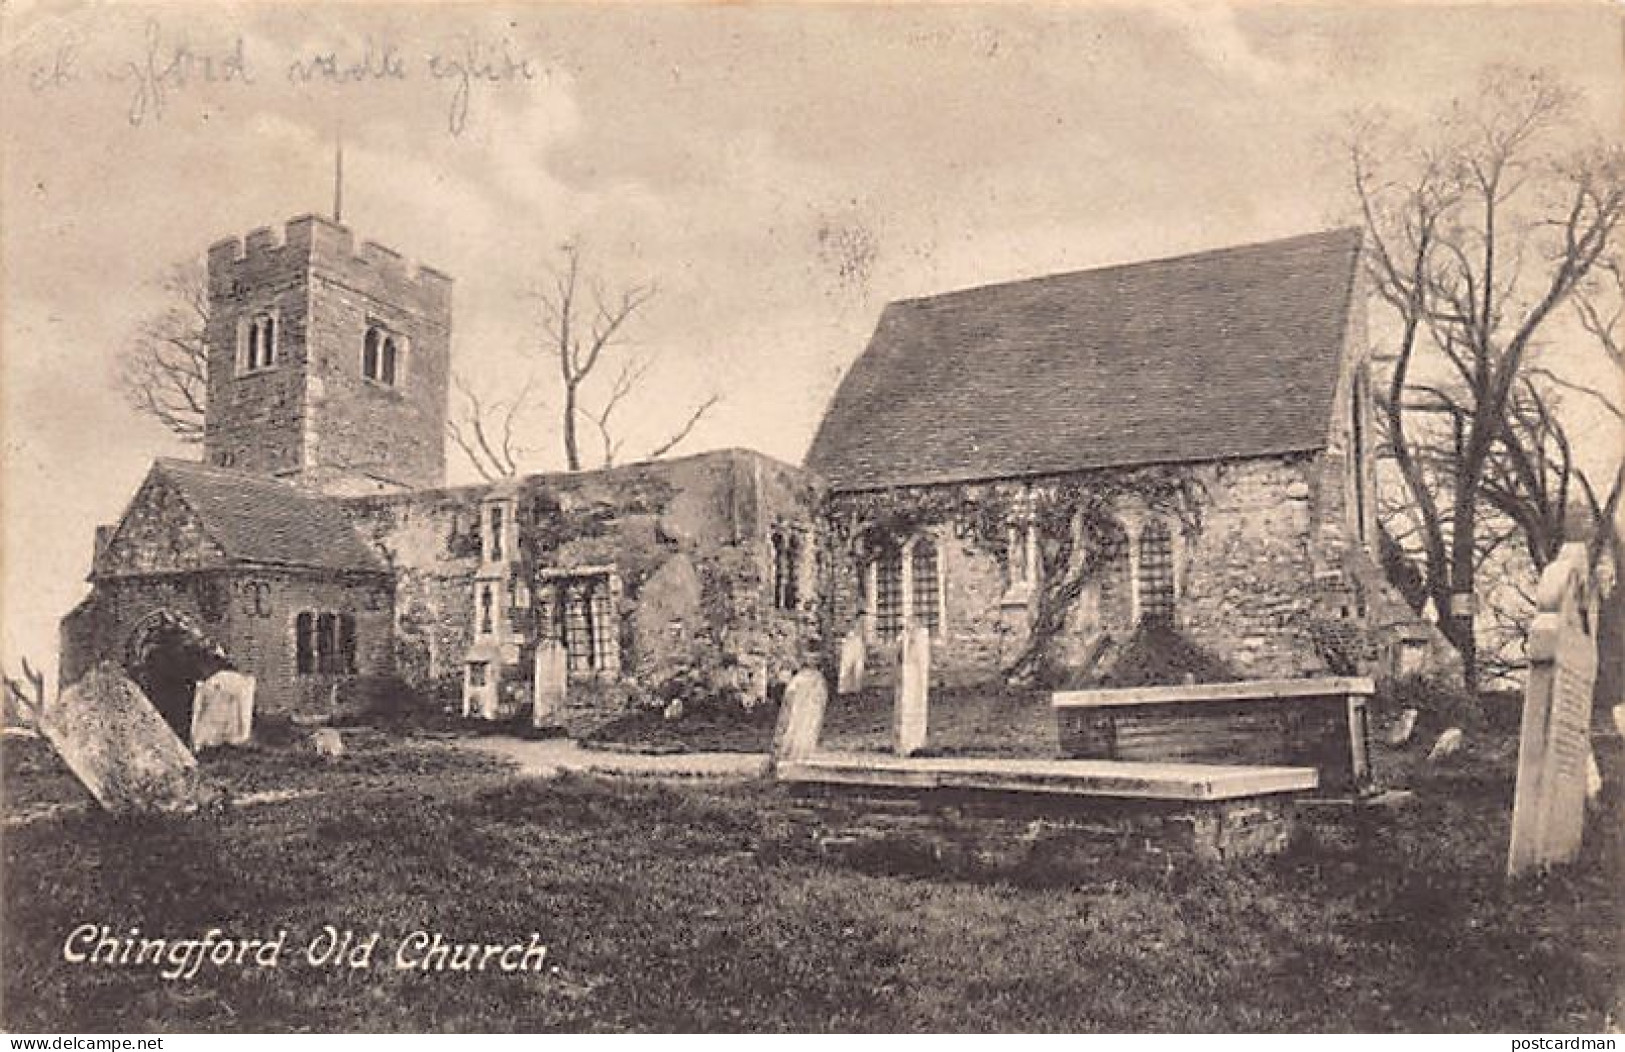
328 361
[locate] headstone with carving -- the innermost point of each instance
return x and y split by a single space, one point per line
119 747
551 684
913 685
801 716
1548 809
853 657
1400 733
223 710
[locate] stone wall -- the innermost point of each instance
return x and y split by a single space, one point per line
313 413
250 614
688 541
1245 568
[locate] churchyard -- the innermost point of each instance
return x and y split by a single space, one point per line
1241 855
715 907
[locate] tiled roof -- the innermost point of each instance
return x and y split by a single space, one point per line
1229 353
256 519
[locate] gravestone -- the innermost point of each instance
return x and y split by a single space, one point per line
913 685
327 742
551 684
801 716
1548 808
853 656
223 710
1446 745
756 681
119 747
1403 728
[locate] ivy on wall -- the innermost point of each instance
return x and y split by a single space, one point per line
1074 517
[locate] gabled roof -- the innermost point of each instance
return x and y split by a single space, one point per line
1231 353
255 519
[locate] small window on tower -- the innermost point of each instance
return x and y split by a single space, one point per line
258 348
381 352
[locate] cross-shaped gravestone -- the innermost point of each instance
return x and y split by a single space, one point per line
913 686
1548 809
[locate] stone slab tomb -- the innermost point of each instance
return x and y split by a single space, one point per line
801 717
1554 746
223 710
551 684
909 715
119 747
1319 723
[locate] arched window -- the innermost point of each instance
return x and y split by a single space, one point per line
486 602
786 569
1113 573
304 632
888 605
927 597
267 341
346 643
326 638
497 523
369 352
259 350
380 354
1156 573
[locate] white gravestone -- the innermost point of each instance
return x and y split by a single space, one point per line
913 685
1554 746
551 683
223 710
801 716
113 740
853 657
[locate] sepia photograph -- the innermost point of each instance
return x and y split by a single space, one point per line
880 518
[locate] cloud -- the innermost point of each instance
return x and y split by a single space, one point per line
1215 33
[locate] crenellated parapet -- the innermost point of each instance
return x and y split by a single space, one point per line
331 251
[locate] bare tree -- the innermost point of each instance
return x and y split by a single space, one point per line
26 696
1476 244
582 326
164 371
485 429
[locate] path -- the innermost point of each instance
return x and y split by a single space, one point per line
556 756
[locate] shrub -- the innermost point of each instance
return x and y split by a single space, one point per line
1439 703
1159 655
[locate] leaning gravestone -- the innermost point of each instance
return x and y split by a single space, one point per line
913 684
113 740
551 684
223 710
1548 808
801 716
853 656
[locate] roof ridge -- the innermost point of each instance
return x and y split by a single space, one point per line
1205 254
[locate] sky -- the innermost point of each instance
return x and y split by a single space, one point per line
778 173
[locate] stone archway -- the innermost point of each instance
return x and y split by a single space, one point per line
167 654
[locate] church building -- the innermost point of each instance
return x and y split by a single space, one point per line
1031 470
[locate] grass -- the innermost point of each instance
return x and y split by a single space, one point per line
712 909
993 721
